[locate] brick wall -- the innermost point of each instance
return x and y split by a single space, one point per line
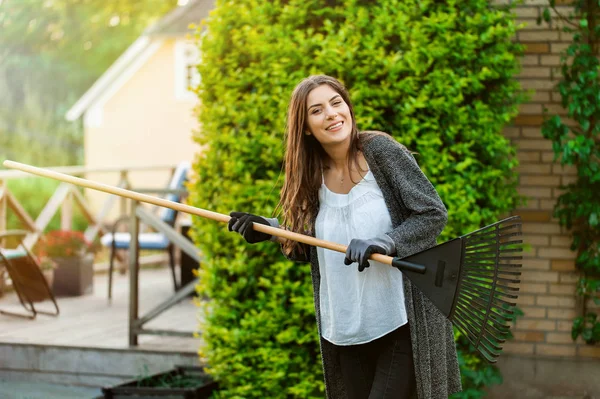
549 278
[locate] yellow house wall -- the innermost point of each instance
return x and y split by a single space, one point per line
143 124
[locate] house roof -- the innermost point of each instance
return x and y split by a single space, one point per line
174 24
177 22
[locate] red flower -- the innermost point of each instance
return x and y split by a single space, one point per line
63 243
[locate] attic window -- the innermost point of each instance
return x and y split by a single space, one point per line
186 74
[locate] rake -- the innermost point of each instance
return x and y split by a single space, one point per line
473 280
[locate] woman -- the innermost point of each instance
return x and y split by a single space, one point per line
380 337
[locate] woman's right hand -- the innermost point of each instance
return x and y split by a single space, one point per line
241 222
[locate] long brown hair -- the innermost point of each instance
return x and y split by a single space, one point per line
305 160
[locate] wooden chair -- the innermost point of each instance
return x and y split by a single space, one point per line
28 281
152 240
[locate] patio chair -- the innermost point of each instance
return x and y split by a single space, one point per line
152 240
28 281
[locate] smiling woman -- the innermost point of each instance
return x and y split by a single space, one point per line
366 191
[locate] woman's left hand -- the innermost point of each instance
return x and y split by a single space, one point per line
360 250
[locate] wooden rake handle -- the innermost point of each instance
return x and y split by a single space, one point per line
219 217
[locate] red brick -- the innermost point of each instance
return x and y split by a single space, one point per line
558 48
568 278
564 325
534 312
526 300
556 97
555 350
562 289
539 276
537 240
530 205
556 253
561 241
535 72
526 12
541 228
557 192
528 156
511 131
564 169
559 338
532 132
518 348
545 181
547 204
535 325
536 48
589 351
530 59
555 109
535 192
529 336
548 157
551 60
529 120
537 35
562 314
533 288
566 180
534 169
556 301
535 216
534 144
538 84
541 96
536 264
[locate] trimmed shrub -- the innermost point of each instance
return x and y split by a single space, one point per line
438 76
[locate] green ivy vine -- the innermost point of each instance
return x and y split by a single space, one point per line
577 143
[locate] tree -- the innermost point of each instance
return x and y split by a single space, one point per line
50 53
438 76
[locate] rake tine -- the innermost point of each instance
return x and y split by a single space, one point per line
501 328
493 272
485 278
491 236
500 318
494 299
483 340
499 292
496 245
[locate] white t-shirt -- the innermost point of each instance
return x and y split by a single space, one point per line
356 307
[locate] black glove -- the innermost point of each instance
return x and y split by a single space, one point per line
360 250
241 222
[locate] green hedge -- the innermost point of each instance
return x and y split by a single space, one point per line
439 76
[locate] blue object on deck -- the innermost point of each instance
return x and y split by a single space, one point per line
150 241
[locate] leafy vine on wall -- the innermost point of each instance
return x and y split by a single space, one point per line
576 142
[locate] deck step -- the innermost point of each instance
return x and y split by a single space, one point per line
92 367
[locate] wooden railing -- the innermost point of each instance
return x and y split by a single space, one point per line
64 199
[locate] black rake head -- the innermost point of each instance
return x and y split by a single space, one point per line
488 285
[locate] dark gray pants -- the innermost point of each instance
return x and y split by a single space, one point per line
380 369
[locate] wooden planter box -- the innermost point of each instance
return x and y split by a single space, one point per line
74 276
166 385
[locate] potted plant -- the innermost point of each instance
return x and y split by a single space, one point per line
73 256
47 266
185 382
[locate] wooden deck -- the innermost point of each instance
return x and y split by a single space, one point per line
92 322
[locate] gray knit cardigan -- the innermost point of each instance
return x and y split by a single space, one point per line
418 216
